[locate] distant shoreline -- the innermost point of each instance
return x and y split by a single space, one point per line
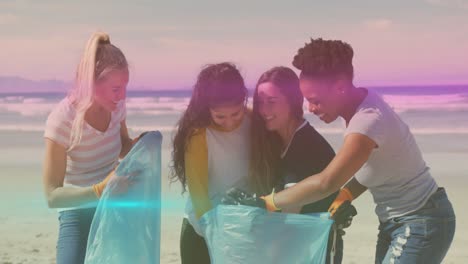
387 89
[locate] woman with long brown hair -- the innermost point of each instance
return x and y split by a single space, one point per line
211 150
285 147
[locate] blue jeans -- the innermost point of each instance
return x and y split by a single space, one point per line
423 236
73 235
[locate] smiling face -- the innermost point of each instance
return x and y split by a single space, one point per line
273 106
111 89
228 116
324 98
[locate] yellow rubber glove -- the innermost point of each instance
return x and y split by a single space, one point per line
344 195
99 187
270 202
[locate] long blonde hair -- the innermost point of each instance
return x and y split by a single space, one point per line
99 58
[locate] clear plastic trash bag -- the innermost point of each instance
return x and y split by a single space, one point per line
244 235
126 226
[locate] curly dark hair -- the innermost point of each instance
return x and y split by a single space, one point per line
266 145
325 59
217 84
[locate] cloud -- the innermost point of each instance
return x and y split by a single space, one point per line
379 24
450 3
8 19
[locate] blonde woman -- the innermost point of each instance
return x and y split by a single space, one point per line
84 137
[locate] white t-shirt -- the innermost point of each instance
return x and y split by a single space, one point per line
98 152
228 164
395 173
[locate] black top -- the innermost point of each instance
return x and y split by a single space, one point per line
308 154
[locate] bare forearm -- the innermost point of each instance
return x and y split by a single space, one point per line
355 152
63 197
307 191
291 210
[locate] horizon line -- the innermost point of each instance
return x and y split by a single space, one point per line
138 89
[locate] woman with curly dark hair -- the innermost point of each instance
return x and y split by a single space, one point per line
211 150
417 221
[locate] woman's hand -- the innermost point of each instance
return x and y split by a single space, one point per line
235 196
119 184
344 214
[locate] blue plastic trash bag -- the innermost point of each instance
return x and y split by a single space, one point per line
244 235
126 226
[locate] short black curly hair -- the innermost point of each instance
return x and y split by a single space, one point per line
325 59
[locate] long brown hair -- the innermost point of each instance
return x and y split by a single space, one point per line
266 145
217 84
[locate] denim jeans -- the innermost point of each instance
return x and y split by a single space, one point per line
73 235
423 236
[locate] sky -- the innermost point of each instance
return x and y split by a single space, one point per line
399 42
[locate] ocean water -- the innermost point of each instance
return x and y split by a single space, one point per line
428 110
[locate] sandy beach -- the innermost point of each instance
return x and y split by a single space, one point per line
29 229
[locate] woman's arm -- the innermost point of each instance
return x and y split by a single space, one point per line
125 138
58 196
355 188
352 190
196 173
352 156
